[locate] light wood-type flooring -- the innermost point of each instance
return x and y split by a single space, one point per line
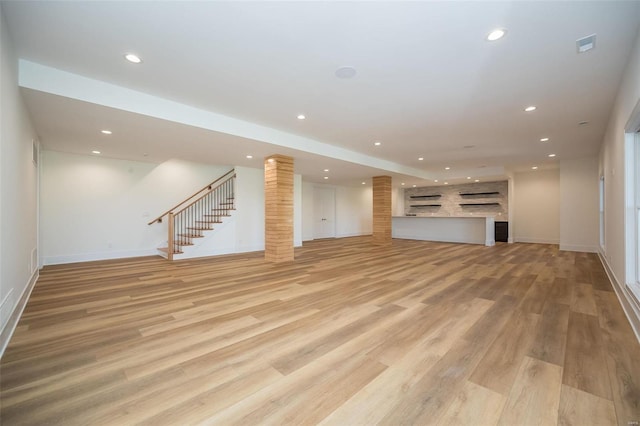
350 333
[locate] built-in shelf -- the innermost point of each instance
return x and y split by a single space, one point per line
479 204
479 193
426 196
426 205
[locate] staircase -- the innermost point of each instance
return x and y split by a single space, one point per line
196 216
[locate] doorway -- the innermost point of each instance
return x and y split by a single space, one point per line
324 203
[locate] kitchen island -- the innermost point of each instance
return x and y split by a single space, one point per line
449 229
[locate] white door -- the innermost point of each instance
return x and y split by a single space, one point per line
324 204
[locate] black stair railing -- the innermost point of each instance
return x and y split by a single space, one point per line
199 213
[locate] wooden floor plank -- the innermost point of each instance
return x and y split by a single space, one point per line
349 333
472 403
619 345
578 408
498 368
582 299
550 337
584 356
535 396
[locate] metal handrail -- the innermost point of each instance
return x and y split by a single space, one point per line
207 187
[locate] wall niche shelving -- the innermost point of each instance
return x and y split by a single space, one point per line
477 199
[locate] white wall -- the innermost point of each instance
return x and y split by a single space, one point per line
98 208
354 214
297 210
536 207
354 211
579 215
397 201
18 189
611 166
612 156
307 211
250 209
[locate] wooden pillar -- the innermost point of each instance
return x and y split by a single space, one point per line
278 207
382 209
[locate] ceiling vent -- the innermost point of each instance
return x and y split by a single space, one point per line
585 44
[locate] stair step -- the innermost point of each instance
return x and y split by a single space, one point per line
182 243
221 210
199 228
208 221
166 250
191 235
226 204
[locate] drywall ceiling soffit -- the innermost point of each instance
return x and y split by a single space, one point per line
427 83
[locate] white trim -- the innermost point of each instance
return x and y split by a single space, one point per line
6 297
90 257
10 327
397 236
354 234
580 248
629 209
536 241
629 306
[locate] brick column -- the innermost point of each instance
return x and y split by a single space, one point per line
278 207
382 209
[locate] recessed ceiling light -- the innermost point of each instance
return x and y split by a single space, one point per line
326 177
496 34
446 183
326 170
377 143
402 184
346 72
477 180
301 117
530 108
420 158
544 140
364 183
534 167
414 185
106 132
132 58
447 168
249 157
95 152
552 155
468 177
436 180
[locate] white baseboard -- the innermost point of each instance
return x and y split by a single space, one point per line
536 240
347 235
580 248
12 323
89 257
400 236
629 304
353 234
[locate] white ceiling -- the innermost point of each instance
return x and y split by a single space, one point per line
427 85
